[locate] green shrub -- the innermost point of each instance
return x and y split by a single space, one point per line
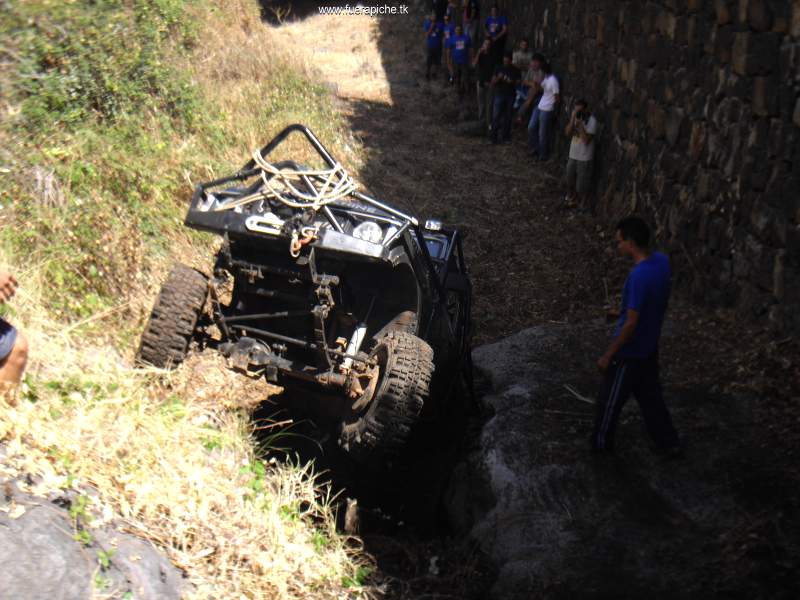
102 59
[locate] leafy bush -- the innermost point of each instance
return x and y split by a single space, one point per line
103 59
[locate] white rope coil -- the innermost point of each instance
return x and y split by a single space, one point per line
280 185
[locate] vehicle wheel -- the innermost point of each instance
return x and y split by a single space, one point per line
379 426
166 337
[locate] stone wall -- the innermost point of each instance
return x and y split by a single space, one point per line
700 116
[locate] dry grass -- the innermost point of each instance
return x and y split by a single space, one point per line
260 82
171 456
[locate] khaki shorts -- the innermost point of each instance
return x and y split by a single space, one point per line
579 175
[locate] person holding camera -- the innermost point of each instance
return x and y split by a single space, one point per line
504 85
582 127
13 346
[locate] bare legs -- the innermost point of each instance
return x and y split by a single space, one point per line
12 368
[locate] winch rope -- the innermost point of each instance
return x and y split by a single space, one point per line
280 185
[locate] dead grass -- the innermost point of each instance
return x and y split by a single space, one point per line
261 83
171 455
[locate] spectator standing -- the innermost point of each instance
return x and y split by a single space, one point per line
484 65
460 50
582 128
448 31
496 29
13 346
542 118
439 8
530 91
433 44
472 20
504 84
630 363
522 55
452 11
521 59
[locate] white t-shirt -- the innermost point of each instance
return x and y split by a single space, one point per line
578 150
549 90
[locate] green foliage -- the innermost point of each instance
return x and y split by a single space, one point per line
101 96
77 510
320 541
103 58
256 474
359 578
103 101
104 558
83 537
102 582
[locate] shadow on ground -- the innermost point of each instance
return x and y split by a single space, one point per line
721 524
279 11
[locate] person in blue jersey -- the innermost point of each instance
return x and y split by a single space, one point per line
433 44
460 51
495 28
448 31
630 364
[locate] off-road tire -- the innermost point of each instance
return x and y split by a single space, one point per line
385 425
166 337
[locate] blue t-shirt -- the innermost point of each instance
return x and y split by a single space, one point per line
434 38
449 31
494 25
647 292
459 46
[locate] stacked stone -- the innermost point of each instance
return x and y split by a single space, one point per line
700 132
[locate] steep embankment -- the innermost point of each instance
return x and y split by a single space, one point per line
110 111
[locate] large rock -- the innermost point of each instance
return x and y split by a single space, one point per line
42 560
520 514
560 522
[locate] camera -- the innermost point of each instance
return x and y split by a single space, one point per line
582 116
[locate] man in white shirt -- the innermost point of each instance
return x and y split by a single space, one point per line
542 118
582 127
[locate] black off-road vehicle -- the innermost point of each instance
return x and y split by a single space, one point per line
317 283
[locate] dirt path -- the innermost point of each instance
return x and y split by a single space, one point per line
534 263
530 261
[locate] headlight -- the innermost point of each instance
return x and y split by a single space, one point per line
369 231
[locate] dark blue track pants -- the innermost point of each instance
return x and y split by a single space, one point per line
639 377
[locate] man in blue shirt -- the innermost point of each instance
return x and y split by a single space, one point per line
496 30
460 49
448 33
433 44
630 364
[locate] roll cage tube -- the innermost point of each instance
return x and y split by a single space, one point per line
249 170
